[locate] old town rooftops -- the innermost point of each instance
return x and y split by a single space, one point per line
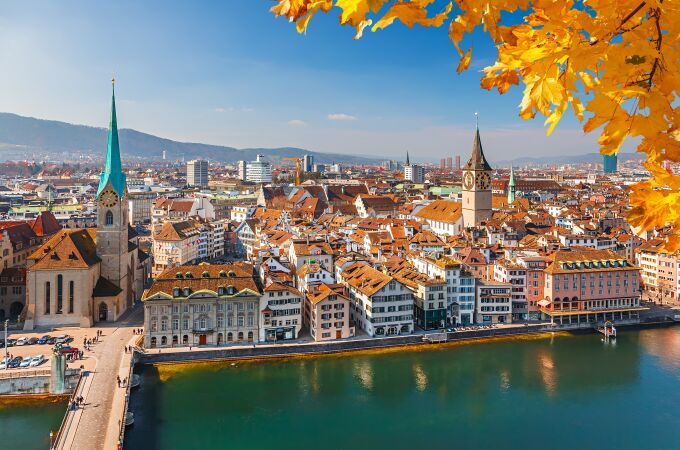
323 291
68 249
365 278
586 260
442 211
225 280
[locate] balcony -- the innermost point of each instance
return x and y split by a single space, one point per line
203 330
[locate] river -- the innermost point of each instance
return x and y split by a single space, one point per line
554 392
25 423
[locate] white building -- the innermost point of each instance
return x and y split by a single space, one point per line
494 303
414 173
381 306
460 286
259 171
280 313
197 173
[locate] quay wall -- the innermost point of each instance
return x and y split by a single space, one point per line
283 350
290 350
34 382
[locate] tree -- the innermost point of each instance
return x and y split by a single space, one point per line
615 63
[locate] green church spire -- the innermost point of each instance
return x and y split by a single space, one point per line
511 186
113 172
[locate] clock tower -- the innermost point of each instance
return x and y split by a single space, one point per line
476 186
112 211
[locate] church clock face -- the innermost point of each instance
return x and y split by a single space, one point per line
483 181
468 180
109 199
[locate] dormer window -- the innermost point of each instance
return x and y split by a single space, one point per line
187 291
205 274
178 275
175 292
231 274
221 290
231 290
223 274
188 275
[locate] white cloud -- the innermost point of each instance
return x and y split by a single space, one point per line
297 123
341 117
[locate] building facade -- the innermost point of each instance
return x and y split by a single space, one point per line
203 305
197 173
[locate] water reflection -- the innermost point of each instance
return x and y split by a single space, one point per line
420 377
457 391
664 344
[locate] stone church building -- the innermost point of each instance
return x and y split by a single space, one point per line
84 276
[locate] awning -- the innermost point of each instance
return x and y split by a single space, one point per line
544 302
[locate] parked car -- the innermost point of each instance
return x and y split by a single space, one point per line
3 363
44 339
14 363
11 342
33 341
25 362
51 341
63 339
22 341
67 350
37 360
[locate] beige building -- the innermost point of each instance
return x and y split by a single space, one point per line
327 313
175 244
202 305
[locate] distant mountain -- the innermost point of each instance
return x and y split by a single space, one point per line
21 136
565 159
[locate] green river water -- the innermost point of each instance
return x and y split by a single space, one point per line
559 392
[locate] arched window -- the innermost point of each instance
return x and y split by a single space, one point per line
185 339
60 293
109 218
240 336
153 342
250 336
48 292
71 293
164 340
230 337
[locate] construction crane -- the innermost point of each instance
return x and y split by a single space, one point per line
298 166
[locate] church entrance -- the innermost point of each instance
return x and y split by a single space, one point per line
202 339
103 312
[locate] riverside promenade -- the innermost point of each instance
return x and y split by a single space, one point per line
96 424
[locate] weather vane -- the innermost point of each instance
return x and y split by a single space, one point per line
477 119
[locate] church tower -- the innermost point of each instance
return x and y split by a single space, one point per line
476 186
511 187
112 211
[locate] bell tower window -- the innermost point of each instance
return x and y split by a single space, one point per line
109 218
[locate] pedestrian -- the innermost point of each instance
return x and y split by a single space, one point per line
118 380
124 381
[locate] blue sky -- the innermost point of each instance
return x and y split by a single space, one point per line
230 73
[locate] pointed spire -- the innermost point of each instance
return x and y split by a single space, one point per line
408 163
477 160
113 172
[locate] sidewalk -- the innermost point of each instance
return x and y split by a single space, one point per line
96 424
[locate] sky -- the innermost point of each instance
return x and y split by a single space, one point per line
229 73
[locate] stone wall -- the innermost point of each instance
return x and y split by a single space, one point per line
34 382
264 351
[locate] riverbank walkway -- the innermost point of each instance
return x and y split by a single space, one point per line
96 424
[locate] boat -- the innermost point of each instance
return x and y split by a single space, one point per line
129 418
135 381
608 330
